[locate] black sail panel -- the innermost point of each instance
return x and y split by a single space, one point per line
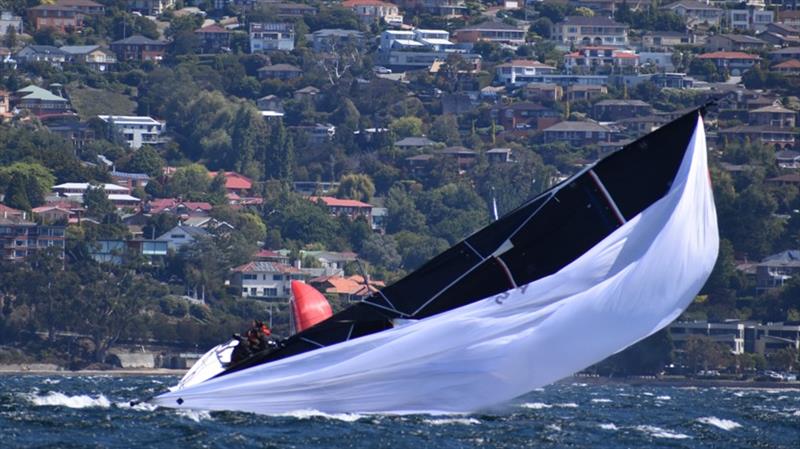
535 240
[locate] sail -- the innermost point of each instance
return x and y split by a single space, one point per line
592 266
309 306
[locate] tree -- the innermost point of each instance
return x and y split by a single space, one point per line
249 138
381 250
10 39
543 27
279 161
406 127
191 181
32 177
97 204
16 195
402 212
702 352
445 129
356 187
146 160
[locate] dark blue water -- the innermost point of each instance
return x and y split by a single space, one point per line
92 412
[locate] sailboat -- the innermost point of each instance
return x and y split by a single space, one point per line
582 271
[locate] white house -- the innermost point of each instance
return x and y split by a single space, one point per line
182 235
271 36
7 21
518 72
135 131
265 280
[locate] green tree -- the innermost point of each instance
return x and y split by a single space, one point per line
33 177
97 204
16 194
279 160
145 160
406 127
402 212
191 181
445 129
356 187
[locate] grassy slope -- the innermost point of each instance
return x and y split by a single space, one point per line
91 102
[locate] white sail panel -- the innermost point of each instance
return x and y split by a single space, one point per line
628 286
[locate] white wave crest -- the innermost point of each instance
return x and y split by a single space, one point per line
567 405
796 413
49 381
724 424
601 401
308 414
55 398
140 406
663 398
658 432
194 415
554 427
536 405
609 426
450 421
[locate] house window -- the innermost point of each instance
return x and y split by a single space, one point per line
177 236
253 291
277 277
271 292
250 277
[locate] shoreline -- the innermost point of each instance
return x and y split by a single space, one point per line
53 370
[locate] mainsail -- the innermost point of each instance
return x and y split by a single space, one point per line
582 271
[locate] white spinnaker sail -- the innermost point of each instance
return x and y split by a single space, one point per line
628 286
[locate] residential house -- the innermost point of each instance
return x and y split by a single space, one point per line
332 40
271 36
773 271
92 56
785 54
290 10
518 72
347 289
577 133
788 159
209 224
641 125
790 67
213 38
736 63
317 133
10 212
332 262
775 116
542 92
491 31
751 19
315 187
341 207
730 334
59 18
734 42
20 238
666 40
116 251
267 255
415 143
139 48
52 214
5 106
789 17
270 103
120 196
696 13
781 35
265 280
176 206
612 110
181 235
150 7
235 182
499 155
77 133
524 115
50 211
41 53
41 102
442 8
778 138
308 93
135 131
595 59
672 80
87 7
9 21
280 72
130 180
584 92
372 11
742 336
597 30
415 59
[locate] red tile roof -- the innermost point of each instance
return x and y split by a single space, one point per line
790 64
523 63
338 202
267 267
10 211
728 55
235 181
213 28
160 205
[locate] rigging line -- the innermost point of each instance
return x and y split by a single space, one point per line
312 342
607 196
386 308
474 251
350 332
471 269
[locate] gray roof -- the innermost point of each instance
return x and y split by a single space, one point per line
577 126
37 93
138 40
280 68
792 255
491 25
742 38
691 4
415 142
79 49
786 51
44 49
337 32
622 103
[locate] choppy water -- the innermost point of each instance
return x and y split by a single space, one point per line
93 411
